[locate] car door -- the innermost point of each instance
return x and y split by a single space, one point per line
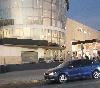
85 69
74 70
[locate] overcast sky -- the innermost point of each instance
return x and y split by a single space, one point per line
86 12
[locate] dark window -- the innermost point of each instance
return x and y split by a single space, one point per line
75 64
79 63
70 64
96 62
85 63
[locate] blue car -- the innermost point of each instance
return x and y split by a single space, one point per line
75 69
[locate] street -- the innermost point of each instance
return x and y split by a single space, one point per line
35 79
24 79
22 76
76 84
73 84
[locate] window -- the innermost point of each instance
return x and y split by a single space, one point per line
47 5
46 13
85 63
96 61
27 3
28 12
75 64
46 21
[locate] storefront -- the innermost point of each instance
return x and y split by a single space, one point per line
87 47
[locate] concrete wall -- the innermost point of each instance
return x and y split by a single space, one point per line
12 54
10 60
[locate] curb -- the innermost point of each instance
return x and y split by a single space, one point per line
33 82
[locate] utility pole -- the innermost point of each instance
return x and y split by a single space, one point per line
82 48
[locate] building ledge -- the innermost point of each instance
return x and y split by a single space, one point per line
86 41
29 43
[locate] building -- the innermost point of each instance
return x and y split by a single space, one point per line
81 38
32 29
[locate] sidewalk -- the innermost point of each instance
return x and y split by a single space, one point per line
22 76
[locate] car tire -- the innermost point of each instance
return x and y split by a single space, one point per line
63 78
96 74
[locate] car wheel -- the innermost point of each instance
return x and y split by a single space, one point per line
96 74
62 78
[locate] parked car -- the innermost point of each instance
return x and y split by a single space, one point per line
75 69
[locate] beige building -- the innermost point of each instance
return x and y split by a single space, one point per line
31 30
79 35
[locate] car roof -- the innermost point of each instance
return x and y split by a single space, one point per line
82 60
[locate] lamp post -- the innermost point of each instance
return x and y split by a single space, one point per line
82 48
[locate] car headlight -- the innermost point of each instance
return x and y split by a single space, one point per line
52 73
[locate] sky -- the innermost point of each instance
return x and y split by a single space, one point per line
86 12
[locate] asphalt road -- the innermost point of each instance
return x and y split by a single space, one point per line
17 76
74 84
14 77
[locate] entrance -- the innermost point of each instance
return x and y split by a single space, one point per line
29 56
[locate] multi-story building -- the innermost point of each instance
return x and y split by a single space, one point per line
32 29
81 36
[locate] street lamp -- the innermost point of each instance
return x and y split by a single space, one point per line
82 48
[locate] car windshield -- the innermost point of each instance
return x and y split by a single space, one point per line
66 64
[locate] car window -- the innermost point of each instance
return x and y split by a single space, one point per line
69 64
96 62
75 64
64 64
85 63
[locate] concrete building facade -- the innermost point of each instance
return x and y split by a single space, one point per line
80 35
32 29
